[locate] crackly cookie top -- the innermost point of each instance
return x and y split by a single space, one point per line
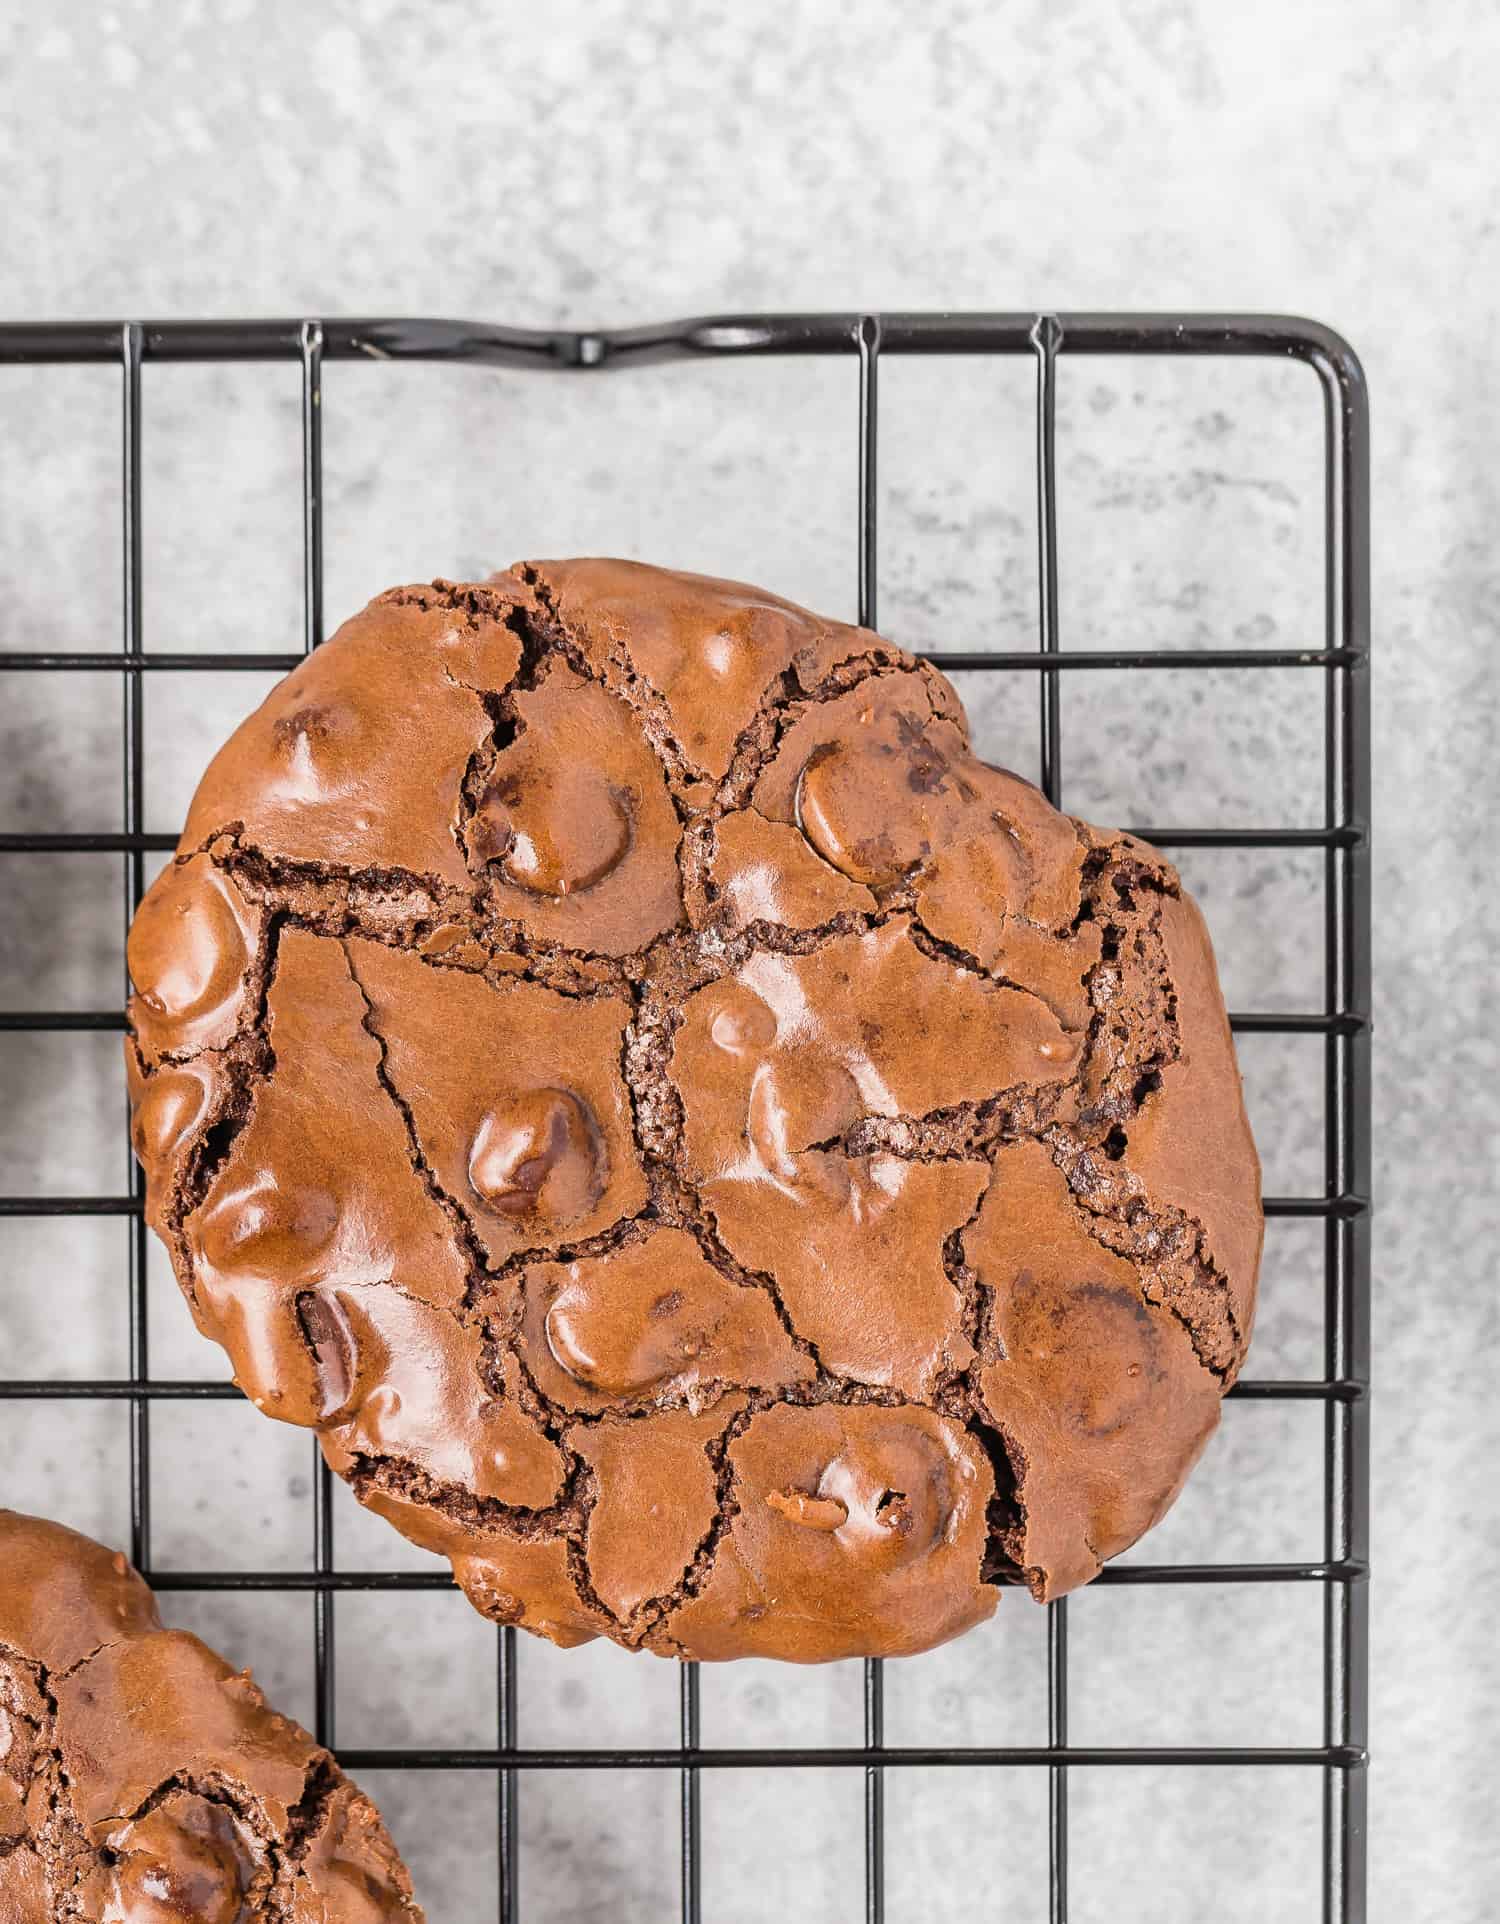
711 1157
142 1780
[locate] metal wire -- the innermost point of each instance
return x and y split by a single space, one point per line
133 744
1342 660
325 1687
1045 337
869 372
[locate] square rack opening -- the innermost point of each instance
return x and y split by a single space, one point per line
1334 667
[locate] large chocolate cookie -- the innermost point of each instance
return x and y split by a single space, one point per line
720 1163
143 1780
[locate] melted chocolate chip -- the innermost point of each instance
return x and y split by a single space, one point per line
540 1156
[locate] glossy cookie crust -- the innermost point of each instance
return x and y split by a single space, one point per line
727 1168
143 1781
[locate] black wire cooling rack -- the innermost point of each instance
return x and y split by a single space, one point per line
1340 665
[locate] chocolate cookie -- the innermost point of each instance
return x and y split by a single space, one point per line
141 1779
723 1165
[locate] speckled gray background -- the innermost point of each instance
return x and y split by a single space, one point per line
622 162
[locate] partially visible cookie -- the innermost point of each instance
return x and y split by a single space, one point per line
143 1781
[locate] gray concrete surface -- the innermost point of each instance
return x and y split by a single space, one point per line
617 163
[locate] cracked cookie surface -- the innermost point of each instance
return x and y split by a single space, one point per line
141 1778
726 1167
